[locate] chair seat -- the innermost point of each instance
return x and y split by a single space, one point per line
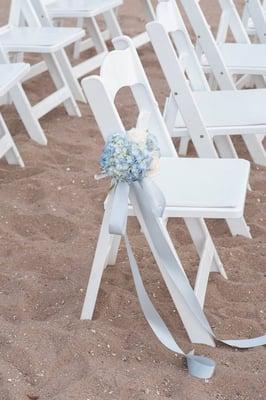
39 40
81 8
10 74
209 188
230 109
243 57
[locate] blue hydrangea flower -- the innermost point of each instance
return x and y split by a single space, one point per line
125 160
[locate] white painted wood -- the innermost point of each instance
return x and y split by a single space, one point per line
70 35
38 40
186 107
100 261
39 36
10 75
23 106
193 329
203 187
113 27
214 54
86 12
80 8
8 149
202 278
256 18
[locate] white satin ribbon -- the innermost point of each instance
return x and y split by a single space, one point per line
151 204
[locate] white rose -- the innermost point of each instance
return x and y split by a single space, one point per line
155 165
138 136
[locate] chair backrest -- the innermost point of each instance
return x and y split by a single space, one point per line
246 15
22 12
208 44
255 10
169 16
29 12
230 19
178 60
122 68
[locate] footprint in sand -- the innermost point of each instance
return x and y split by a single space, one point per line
8 174
56 228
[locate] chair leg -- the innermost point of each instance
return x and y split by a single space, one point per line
8 147
256 149
238 226
60 81
96 35
101 259
112 24
225 147
116 240
204 269
209 258
212 82
195 331
68 72
244 82
27 116
200 235
77 44
183 146
193 328
95 40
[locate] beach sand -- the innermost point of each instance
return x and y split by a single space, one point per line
50 215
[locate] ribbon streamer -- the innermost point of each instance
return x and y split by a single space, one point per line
150 202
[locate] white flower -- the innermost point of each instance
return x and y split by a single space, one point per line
138 136
155 164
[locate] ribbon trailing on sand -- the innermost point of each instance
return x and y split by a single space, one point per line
149 204
130 158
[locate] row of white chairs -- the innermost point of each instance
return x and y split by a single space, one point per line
205 188
224 61
31 30
194 189
254 19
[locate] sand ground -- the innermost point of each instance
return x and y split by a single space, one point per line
50 214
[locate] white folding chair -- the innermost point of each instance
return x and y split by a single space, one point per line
239 58
10 75
23 106
225 60
254 19
86 12
194 188
193 111
230 19
49 43
113 27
